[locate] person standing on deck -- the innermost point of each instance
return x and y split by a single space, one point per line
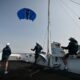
72 50
37 50
6 52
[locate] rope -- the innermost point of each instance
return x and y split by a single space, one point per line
69 8
70 16
75 2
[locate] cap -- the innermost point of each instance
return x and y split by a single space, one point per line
8 44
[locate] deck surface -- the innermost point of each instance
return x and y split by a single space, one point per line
19 70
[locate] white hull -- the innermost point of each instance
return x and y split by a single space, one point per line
73 63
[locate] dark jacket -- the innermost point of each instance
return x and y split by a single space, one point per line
6 51
72 47
37 49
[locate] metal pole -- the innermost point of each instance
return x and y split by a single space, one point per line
48 29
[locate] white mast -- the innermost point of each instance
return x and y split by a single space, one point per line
48 33
48 29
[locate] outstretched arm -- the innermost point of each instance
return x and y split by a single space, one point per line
64 47
33 49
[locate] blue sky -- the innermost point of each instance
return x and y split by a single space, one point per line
23 34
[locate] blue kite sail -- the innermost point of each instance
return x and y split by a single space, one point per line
26 13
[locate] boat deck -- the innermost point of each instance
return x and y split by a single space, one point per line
20 70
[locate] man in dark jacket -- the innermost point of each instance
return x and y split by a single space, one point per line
6 52
37 50
72 49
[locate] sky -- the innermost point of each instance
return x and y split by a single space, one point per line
23 34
